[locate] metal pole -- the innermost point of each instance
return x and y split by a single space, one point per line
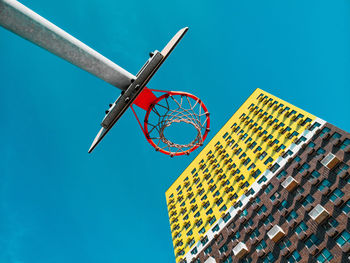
24 22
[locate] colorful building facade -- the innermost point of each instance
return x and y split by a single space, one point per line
255 143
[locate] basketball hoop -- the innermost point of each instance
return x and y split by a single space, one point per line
167 109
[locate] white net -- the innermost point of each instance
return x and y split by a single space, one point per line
176 108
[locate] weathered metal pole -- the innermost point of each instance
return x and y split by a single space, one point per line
24 22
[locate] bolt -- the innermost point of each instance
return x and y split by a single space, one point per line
151 54
106 111
127 99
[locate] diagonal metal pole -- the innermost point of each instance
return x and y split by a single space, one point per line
24 22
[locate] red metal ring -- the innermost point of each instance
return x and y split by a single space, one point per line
167 93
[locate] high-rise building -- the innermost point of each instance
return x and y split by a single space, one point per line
272 185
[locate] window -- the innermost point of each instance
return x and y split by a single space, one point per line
248 223
336 135
202 231
324 256
268 220
343 238
344 144
288 153
252 166
325 183
252 145
208 250
262 209
300 140
194 251
218 202
320 151
255 233
261 245
268 188
257 149
197 214
216 193
315 125
297 159
268 160
294 133
331 223
209 212
246 260
302 227
205 240
212 220
346 207
275 167
285 243
256 173
324 131
281 147
246 161
216 228
311 144
292 215
294 257
262 179
281 174
262 155
312 240
284 204
189 233
223 208
337 193
227 217
244 213
304 167
299 117
308 200
199 223
315 175
275 196
223 249
269 258
341 167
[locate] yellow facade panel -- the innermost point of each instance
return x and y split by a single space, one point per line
244 148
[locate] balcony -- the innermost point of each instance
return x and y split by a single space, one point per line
276 233
285 251
302 235
210 260
346 247
240 250
330 161
261 253
313 250
325 190
332 232
290 183
319 214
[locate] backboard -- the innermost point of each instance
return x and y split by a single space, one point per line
137 85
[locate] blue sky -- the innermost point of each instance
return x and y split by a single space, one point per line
60 204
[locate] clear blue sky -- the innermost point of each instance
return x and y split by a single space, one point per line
60 204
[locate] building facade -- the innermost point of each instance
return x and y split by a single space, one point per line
271 186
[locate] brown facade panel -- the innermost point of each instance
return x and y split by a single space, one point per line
284 208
